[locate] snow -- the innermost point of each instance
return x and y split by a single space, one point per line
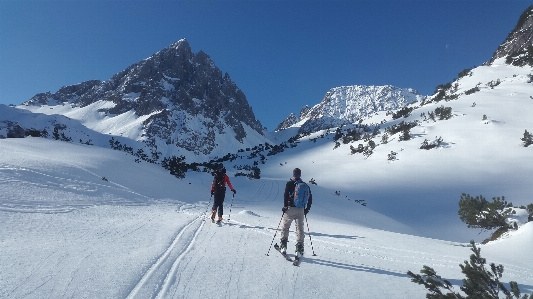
68 233
127 124
88 222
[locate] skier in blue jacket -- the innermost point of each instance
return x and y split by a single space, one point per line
292 212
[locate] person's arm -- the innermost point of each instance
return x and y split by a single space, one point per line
226 180
309 201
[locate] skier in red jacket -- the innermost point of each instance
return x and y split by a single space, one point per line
218 190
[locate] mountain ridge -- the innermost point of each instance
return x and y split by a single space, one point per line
348 104
187 101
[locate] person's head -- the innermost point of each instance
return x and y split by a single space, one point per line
296 173
222 170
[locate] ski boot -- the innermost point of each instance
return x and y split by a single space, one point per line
283 247
219 220
299 250
213 215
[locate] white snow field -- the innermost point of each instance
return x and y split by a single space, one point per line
66 232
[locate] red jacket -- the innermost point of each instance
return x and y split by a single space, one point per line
226 181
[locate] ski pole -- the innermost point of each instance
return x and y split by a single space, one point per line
208 204
275 234
229 216
309 231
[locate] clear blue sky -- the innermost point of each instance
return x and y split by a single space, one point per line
281 54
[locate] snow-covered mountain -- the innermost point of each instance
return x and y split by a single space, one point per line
348 104
87 222
179 103
175 102
84 221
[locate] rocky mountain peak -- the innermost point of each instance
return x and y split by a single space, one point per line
518 46
288 122
188 99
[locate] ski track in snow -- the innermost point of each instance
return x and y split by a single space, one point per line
156 282
272 193
69 183
165 277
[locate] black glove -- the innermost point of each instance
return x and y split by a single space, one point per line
234 191
284 209
212 193
306 211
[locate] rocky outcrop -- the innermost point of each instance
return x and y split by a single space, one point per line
518 46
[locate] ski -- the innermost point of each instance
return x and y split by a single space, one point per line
296 261
298 257
288 258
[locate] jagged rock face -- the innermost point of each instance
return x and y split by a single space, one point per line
70 93
518 46
293 119
288 122
304 111
347 104
185 94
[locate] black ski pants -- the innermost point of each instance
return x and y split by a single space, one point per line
219 203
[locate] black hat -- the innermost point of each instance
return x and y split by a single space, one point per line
296 172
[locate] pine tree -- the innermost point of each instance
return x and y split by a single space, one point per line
425 145
176 165
406 134
480 282
528 139
56 133
385 138
477 212
353 150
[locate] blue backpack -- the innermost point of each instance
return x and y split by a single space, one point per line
301 194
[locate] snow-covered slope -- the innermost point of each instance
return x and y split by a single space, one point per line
481 153
83 221
129 129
